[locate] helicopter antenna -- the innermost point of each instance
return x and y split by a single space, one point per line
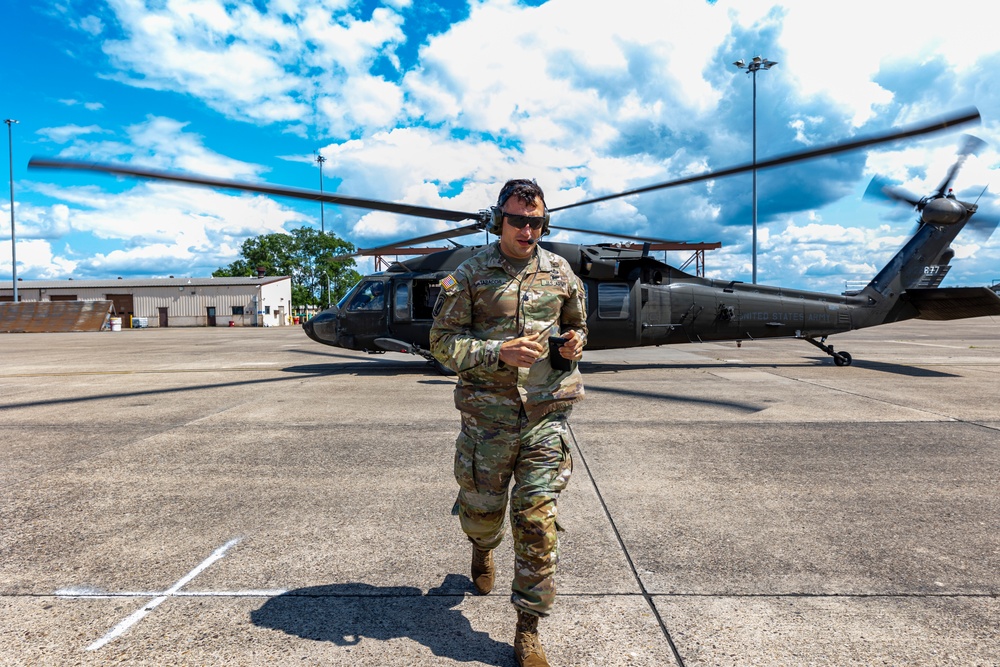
985 188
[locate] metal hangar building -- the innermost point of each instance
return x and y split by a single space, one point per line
173 302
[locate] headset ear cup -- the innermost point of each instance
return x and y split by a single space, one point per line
496 220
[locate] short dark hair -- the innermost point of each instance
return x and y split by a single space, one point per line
525 190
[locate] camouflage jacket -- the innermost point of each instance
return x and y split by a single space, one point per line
486 302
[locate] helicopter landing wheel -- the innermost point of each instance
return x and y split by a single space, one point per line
839 358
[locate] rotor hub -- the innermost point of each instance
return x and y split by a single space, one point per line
944 211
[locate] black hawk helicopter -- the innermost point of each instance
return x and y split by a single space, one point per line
635 300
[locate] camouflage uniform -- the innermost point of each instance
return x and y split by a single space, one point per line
513 419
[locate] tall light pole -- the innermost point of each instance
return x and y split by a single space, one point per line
322 223
758 63
322 220
13 237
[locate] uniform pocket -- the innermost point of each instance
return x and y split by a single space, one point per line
465 462
545 463
565 469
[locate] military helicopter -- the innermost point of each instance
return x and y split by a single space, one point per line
635 300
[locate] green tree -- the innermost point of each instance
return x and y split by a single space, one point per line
308 256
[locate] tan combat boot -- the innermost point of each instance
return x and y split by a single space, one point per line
483 570
527 646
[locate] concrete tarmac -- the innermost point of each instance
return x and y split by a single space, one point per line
248 497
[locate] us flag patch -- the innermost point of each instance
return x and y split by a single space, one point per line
448 282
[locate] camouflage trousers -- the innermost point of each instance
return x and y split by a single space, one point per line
537 457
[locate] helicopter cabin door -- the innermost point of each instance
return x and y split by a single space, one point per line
612 313
413 309
656 324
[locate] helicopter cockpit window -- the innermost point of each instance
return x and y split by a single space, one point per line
401 306
369 296
612 301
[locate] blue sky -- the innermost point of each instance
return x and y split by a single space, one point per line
438 103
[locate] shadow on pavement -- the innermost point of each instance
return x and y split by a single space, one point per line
676 398
595 367
347 614
365 367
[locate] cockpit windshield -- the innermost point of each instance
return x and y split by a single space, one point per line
350 294
368 295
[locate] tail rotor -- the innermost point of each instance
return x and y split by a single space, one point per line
941 207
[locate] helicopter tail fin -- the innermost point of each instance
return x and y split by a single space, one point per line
953 303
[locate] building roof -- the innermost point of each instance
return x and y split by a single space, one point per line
140 282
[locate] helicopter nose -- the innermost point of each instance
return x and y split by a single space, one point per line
322 328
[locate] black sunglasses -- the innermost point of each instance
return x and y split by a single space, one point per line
519 221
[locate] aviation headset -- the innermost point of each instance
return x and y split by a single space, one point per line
496 212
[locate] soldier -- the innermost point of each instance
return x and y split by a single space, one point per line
492 324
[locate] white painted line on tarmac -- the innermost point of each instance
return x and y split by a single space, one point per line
950 347
233 594
101 594
88 594
137 616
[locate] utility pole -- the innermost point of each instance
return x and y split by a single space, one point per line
758 63
13 236
322 224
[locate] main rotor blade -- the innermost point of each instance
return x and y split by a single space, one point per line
439 236
612 235
278 190
912 131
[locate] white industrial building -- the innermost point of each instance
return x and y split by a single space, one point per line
173 302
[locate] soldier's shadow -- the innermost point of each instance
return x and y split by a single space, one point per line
346 614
